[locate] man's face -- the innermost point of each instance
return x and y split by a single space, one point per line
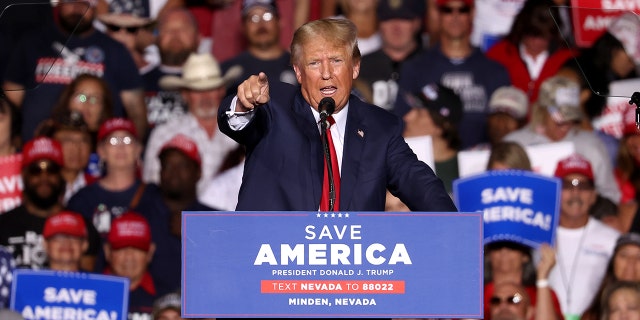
76 148
399 34
77 13
455 19
261 28
508 303
326 70
169 314
129 262
43 184
177 38
178 173
626 263
203 104
503 260
499 125
577 197
64 249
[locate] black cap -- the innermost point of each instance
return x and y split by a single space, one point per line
440 100
400 9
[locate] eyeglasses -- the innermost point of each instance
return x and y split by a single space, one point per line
83 98
114 28
514 299
575 183
450 10
114 141
39 167
266 17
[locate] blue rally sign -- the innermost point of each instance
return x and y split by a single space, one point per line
49 295
315 264
519 206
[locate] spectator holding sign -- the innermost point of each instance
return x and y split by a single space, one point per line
129 251
585 244
623 266
556 117
510 301
65 240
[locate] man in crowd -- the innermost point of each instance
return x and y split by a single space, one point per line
21 228
584 244
261 26
399 25
129 251
284 167
178 38
44 62
510 301
202 86
456 64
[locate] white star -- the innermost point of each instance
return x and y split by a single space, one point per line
318 215
326 215
346 215
339 215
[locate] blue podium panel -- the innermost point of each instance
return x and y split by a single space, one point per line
346 264
518 206
50 295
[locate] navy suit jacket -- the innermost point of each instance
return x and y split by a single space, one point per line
284 165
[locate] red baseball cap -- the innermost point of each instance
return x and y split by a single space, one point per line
185 145
40 149
67 223
130 230
116 124
575 163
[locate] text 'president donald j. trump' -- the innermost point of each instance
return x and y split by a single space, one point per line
287 160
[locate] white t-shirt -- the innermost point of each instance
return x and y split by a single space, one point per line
582 256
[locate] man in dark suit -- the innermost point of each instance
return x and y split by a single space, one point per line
284 166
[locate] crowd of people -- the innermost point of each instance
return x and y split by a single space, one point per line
115 109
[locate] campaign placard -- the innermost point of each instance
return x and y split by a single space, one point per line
334 264
518 206
51 295
592 17
10 182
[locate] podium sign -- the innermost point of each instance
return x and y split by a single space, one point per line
50 295
346 264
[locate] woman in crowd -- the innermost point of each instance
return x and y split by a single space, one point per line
89 95
621 301
623 266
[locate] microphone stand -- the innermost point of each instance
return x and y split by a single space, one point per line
635 99
327 157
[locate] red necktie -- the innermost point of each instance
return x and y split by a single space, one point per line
324 200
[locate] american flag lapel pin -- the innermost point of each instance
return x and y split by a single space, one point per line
361 133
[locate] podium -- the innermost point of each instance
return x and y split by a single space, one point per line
332 264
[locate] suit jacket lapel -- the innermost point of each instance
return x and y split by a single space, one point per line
354 140
307 125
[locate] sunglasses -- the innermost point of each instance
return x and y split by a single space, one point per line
514 299
585 185
450 10
114 28
39 167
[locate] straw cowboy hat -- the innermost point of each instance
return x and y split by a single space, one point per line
124 20
200 72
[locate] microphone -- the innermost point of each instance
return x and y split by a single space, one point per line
326 107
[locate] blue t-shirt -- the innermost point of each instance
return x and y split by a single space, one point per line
162 105
45 62
473 78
